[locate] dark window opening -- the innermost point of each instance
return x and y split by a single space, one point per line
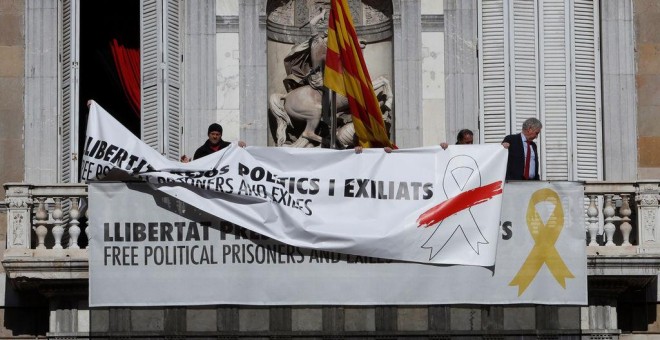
109 45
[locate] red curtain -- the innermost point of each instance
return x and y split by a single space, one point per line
127 64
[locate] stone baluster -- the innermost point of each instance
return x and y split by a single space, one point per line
592 214
74 229
625 212
19 205
41 219
608 213
58 229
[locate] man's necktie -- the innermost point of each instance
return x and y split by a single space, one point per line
528 158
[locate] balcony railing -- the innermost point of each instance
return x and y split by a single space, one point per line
621 217
45 232
45 239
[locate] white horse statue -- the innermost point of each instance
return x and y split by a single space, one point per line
304 97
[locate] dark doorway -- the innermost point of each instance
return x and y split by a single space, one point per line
104 23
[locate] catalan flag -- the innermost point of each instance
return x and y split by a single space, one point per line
346 73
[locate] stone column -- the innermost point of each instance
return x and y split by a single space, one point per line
19 223
647 198
253 74
619 100
407 24
603 316
41 90
69 311
461 67
199 64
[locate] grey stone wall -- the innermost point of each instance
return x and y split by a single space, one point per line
32 317
461 67
339 321
12 87
618 79
646 14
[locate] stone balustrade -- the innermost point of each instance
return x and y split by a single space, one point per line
43 222
621 217
45 238
41 217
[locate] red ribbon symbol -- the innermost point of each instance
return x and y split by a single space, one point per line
462 173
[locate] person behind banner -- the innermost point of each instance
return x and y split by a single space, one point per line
523 161
358 148
213 144
464 136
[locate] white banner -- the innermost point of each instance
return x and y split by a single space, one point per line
150 249
424 205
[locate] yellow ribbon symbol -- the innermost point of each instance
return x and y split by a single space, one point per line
545 236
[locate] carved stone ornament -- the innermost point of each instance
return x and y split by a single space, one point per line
648 220
288 21
648 188
647 199
18 228
17 190
280 11
297 110
17 202
376 12
648 194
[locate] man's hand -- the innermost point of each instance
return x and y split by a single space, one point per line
358 149
387 149
185 159
444 145
505 145
241 144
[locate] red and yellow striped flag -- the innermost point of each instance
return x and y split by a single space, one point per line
346 73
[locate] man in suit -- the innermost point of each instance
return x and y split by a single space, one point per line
523 162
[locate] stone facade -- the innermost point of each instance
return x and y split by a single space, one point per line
646 14
341 321
21 314
59 312
12 57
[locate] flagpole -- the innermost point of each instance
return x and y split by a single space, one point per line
333 119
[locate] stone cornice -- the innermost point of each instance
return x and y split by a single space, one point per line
636 263
26 268
433 23
226 24
292 34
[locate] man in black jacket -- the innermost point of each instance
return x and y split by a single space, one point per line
523 161
213 144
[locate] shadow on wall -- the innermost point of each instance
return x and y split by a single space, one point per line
25 313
